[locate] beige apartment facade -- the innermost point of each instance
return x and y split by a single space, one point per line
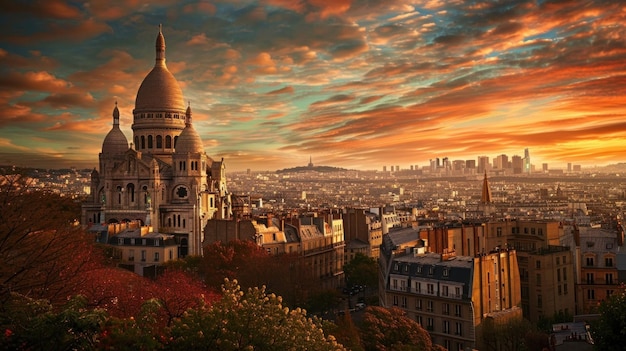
449 295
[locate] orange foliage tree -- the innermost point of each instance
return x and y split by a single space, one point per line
390 329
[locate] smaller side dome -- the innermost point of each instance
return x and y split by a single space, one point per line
115 142
189 140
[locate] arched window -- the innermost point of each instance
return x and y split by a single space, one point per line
143 142
130 188
168 142
150 142
136 141
159 142
175 141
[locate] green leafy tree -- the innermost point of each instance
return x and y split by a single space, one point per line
31 324
253 320
362 270
609 331
142 332
390 329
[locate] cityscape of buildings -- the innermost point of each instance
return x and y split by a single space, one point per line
460 243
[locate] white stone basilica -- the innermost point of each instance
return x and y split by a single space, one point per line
164 178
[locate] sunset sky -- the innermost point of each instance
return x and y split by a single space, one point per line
356 84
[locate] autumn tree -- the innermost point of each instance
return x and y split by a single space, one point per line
177 292
243 260
42 250
251 320
390 329
346 332
609 331
285 274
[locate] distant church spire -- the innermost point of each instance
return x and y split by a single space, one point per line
486 194
310 161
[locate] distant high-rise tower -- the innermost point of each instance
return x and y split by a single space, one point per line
517 164
483 164
501 162
526 161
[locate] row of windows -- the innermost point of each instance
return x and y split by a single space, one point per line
133 241
430 288
558 260
419 306
142 142
608 278
431 269
527 230
608 261
445 325
160 115
131 255
176 221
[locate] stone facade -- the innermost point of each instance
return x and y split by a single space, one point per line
165 179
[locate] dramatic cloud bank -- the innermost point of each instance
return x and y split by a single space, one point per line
350 83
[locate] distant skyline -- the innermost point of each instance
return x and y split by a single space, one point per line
352 84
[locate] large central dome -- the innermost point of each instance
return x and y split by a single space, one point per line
159 91
159 114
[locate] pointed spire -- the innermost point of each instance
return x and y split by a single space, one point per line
160 48
486 194
188 114
116 115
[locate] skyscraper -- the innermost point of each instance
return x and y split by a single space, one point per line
483 164
527 161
